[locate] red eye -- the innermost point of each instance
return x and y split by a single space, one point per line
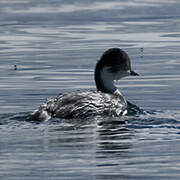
126 67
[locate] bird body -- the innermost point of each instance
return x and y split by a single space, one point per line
106 101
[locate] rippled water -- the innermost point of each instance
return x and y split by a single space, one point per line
55 45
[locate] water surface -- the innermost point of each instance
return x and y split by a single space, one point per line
55 46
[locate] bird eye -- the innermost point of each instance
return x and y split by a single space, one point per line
126 67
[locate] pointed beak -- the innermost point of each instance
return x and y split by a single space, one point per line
132 73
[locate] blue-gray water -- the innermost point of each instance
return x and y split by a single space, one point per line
55 45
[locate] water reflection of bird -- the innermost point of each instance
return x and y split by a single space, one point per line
107 100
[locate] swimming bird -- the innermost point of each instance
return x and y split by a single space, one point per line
107 100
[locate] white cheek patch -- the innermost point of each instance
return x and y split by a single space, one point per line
107 75
121 74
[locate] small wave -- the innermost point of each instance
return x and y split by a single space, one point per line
155 119
13 117
136 118
134 109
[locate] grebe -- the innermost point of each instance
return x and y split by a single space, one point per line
107 100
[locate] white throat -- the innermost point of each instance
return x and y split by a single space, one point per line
107 80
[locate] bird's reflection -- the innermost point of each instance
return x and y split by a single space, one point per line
114 138
102 138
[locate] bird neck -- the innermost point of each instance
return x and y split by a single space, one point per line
104 80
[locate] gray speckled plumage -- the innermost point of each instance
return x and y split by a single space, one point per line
81 105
